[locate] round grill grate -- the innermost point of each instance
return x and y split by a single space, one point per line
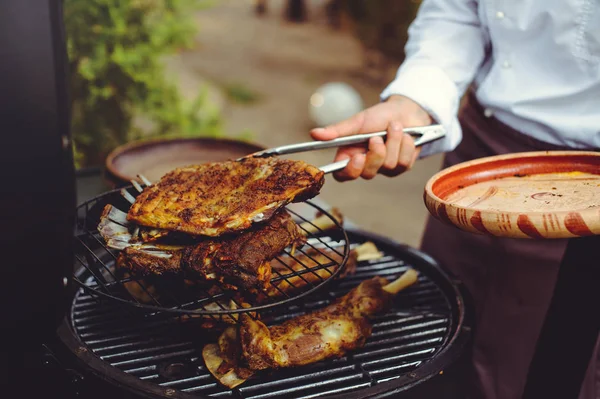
297 272
422 334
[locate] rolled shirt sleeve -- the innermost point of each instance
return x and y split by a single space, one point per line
446 47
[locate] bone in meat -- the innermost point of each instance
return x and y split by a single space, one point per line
330 332
242 260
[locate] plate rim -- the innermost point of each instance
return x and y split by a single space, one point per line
514 224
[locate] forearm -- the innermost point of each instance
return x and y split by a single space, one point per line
445 49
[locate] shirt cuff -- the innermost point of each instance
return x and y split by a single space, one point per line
433 90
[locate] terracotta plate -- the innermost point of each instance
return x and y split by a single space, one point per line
553 194
156 157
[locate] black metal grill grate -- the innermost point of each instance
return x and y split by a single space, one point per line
105 280
167 352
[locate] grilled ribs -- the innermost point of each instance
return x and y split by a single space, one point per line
222 197
241 260
326 333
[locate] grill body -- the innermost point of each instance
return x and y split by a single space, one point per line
416 348
38 190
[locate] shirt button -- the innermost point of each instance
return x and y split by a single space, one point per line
488 112
506 65
499 14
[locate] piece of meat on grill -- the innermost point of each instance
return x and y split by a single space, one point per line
241 260
245 260
222 197
150 260
327 333
283 266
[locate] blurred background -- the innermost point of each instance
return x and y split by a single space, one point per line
258 71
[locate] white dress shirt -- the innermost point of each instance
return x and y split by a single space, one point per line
535 66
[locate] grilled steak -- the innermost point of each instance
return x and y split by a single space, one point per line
241 260
223 197
245 260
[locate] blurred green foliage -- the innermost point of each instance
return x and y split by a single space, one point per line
115 49
382 24
241 94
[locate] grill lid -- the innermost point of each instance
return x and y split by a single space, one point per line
418 337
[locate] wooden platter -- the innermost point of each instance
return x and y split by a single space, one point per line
154 158
541 195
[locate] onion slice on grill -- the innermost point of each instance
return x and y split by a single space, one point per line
221 360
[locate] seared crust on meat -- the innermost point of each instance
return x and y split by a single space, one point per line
326 333
150 263
322 334
245 260
241 260
222 197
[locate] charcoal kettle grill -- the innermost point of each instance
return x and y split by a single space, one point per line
417 347
64 340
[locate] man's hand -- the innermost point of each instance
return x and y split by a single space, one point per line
392 157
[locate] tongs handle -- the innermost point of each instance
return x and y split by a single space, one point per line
417 132
422 135
320 145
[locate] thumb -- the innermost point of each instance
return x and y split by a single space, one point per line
348 127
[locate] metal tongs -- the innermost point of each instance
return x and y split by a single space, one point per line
422 135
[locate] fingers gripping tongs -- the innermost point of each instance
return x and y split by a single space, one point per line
421 135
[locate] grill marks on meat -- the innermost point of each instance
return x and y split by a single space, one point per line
241 260
326 333
222 197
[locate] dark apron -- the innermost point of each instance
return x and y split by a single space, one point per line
510 280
